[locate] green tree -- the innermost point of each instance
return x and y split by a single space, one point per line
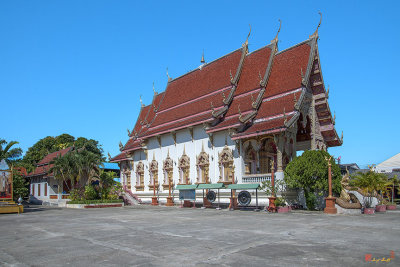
20 186
7 151
310 173
51 144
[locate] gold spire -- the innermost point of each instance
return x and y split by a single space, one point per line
154 156
184 149
315 34
168 153
202 146
275 40
202 61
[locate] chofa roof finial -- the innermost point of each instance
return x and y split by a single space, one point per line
275 40
247 39
202 61
315 34
154 90
169 78
141 102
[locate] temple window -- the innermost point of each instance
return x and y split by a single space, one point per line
184 168
168 172
250 165
202 163
153 173
140 176
225 165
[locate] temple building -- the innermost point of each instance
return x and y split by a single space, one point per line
230 118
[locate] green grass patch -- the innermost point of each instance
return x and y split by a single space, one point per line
95 201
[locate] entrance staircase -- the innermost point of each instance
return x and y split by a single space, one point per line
130 198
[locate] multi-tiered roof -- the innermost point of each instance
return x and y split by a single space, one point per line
251 94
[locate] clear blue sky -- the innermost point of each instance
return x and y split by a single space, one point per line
78 67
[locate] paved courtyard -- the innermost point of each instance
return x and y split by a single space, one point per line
160 236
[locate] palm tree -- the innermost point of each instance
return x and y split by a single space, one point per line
8 153
64 169
88 165
370 183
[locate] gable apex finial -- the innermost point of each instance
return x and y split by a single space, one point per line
275 40
141 102
202 61
154 90
247 39
315 34
169 78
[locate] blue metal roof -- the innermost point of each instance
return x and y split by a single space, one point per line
110 166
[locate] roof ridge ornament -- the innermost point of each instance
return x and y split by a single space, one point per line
154 90
141 102
120 146
129 132
109 156
334 118
202 61
240 112
327 93
341 138
169 78
315 34
275 40
246 43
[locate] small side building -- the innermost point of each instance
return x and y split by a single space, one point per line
43 186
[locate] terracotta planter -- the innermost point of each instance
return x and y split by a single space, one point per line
283 209
369 211
380 208
391 207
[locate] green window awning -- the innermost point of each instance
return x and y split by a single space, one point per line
186 186
243 186
211 186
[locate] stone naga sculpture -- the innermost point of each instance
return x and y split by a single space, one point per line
348 200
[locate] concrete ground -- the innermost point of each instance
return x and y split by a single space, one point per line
161 236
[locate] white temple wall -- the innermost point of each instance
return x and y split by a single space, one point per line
192 149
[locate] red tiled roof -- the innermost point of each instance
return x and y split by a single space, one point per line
263 127
254 65
51 156
286 70
186 101
119 157
210 77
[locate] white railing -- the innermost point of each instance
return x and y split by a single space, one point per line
256 178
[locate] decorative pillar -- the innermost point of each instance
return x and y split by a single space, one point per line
154 200
233 199
279 146
170 201
330 200
271 205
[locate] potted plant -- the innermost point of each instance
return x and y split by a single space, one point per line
279 187
281 205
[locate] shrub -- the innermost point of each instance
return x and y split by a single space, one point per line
90 193
95 201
